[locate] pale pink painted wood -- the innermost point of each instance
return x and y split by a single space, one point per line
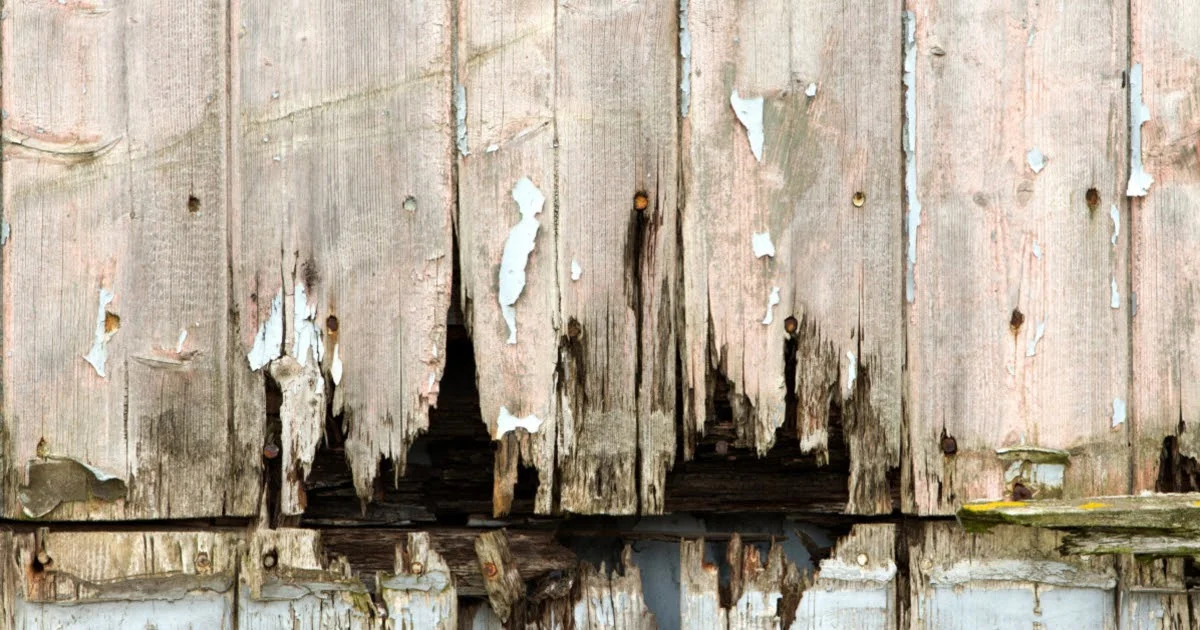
344 137
994 81
826 198
114 180
506 70
1166 363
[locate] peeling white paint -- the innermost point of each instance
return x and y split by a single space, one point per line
576 270
851 372
304 323
910 153
1042 474
1041 331
837 569
492 148
1116 219
182 339
335 366
772 300
460 118
1037 250
507 422
1116 295
749 112
685 56
268 343
1118 414
98 354
1036 159
517 249
762 245
5 232
811 90
1139 179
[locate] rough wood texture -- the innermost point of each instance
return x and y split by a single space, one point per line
421 592
810 221
1166 365
342 214
114 270
506 111
1018 326
617 200
609 600
1153 594
505 589
761 596
1009 577
855 589
1137 514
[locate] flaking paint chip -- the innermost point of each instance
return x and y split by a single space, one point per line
1036 159
106 327
772 302
749 112
517 248
576 270
507 422
761 243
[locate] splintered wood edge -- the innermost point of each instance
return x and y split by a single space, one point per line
1178 513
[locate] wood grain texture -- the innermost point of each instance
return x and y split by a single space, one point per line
1009 577
114 236
343 204
826 197
501 578
420 594
1018 330
617 134
856 588
1166 42
608 599
506 74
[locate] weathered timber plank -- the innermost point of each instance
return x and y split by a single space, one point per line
505 101
607 599
114 270
617 195
420 593
342 219
1139 514
1153 594
855 589
1166 363
1018 319
1009 577
502 579
792 179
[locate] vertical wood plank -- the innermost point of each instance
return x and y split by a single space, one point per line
114 268
791 226
506 114
617 189
1166 365
421 593
855 589
342 216
1018 324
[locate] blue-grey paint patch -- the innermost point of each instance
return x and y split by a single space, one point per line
685 56
1036 159
1118 414
460 118
1115 214
5 232
1139 179
268 343
910 153
97 356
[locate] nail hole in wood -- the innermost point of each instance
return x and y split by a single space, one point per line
331 323
270 559
790 324
859 199
1021 492
1017 319
410 203
193 203
1093 198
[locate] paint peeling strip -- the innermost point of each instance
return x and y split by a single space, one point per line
1118 414
460 118
837 569
517 249
772 301
749 112
913 221
1037 571
97 356
1036 159
335 366
851 372
506 422
1041 331
307 334
1116 295
762 245
1116 219
685 56
492 148
1139 179
576 270
268 343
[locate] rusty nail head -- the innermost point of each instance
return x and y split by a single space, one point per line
269 559
270 451
573 329
416 567
202 562
1021 493
331 323
641 201
489 570
789 325
44 558
949 445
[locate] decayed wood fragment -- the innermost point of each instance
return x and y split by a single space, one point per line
607 600
856 588
1135 514
302 419
505 588
1166 361
114 266
420 593
1018 322
1154 594
789 214
342 209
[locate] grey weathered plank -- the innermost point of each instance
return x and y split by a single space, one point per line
617 171
812 169
421 592
506 118
1166 364
856 588
115 279
342 208
1018 328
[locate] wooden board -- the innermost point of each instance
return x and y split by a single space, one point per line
114 266
1166 45
506 121
341 221
796 200
856 588
1018 327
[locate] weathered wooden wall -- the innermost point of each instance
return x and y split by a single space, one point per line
866 258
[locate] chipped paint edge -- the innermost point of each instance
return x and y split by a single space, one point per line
913 220
1139 179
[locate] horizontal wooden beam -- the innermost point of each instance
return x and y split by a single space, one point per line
1148 513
